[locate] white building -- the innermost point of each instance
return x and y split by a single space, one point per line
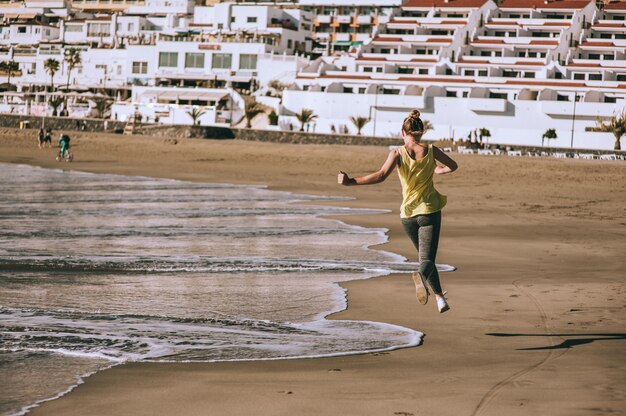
516 69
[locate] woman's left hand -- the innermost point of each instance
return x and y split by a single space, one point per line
343 178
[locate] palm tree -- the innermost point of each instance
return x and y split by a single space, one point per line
550 134
305 116
251 109
195 115
483 132
273 118
72 58
52 67
359 122
616 125
428 126
103 104
9 67
55 102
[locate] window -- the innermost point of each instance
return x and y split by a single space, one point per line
579 76
621 77
367 69
609 57
379 69
469 72
348 90
247 61
482 73
140 67
168 59
289 43
610 99
221 60
73 28
529 75
194 60
498 95
560 97
510 74
595 77
423 71
362 90
21 29
465 94
233 19
251 19
131 27
450 93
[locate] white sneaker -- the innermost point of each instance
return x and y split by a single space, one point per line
421 291
442 303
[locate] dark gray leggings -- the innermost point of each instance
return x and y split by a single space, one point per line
424 233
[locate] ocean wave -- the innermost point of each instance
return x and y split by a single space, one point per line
157 264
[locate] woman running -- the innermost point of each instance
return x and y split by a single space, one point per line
421 205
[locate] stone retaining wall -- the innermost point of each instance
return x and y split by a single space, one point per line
312 138
61 123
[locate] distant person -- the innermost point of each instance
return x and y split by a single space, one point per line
421 206
64 144
41 137
333 129
48 137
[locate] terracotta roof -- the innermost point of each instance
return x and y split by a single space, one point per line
446 79
372 59
608 25
346 76
541 4
615 5
544 42
598 44
595 66
520 63
444 3
511 23
379 39
423 60
584 65
491 41
439 40
453 22
546 84
554 24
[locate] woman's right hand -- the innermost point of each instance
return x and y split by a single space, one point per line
343 178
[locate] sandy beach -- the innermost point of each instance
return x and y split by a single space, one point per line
538 302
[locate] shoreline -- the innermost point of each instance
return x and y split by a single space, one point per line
464 363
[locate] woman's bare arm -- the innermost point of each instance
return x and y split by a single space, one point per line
377 177
449 165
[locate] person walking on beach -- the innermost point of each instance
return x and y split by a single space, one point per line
421 205
40 138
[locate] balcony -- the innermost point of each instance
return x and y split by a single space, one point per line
487 105
561 109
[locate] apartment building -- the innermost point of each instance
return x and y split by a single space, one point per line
519 69
341 25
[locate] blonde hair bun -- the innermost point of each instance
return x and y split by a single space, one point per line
414 114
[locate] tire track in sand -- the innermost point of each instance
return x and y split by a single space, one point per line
552 354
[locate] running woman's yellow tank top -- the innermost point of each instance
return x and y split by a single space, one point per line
418 191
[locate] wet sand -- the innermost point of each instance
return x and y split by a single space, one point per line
538 300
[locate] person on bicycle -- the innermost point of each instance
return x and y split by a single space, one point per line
64 143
